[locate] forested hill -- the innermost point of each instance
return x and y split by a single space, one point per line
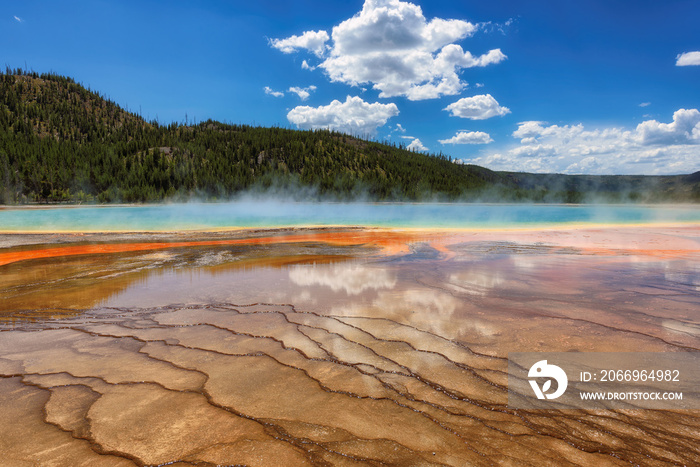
60 142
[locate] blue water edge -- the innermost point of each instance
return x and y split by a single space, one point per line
201 216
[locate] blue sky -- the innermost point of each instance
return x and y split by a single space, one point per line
602 87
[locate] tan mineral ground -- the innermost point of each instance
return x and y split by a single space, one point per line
333 346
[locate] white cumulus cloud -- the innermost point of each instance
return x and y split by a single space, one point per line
269 91
354 116
303 93
688 59
313 41
652 148
684 129
468 137
391 45
416 145
478 107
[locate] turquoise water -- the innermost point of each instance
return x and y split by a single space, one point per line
194 216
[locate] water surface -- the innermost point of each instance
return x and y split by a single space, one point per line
201 216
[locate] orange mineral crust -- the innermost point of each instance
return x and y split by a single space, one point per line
652 241
390 242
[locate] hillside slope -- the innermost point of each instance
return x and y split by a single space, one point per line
60 142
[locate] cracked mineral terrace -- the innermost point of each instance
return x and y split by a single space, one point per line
333 346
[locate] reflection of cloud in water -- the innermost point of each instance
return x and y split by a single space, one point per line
683 273
431 310
481 278
352 278
304 297
476 282
419 300
684 328
529 263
